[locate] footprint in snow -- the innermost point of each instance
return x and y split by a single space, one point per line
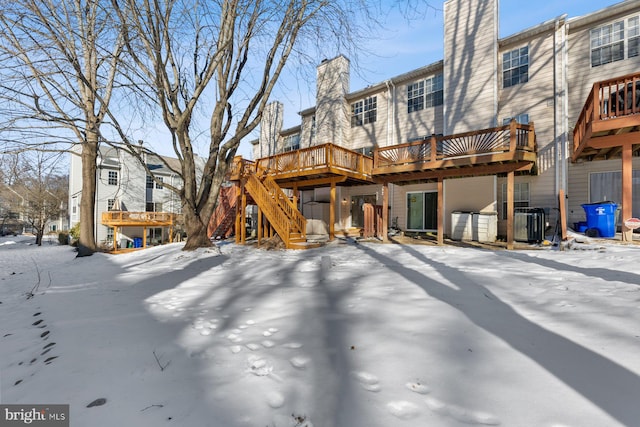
403 409
299 362
463 415
268 343
292 345
368 381
275 400
418 388
253 346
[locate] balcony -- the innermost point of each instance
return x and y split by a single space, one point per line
609 120
488 151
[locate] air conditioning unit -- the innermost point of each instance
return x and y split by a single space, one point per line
529 225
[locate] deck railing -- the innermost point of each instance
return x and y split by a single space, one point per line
121 217
325 156
508 138
226 207
608 99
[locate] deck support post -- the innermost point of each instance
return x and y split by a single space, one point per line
332 211
385 212
115 239
510 205
144 236
238 224
627 191
259 225
295 196
440 213
243 210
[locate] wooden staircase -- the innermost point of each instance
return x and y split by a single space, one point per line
224 216
275 205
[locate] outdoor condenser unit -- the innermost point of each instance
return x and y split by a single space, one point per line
529 224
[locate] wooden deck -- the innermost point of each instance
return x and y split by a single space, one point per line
484 152
138 219
610 119
318 165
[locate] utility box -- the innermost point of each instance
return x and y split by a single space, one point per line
461 225
485 226
529 225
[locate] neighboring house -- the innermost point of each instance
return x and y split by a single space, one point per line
131 207
12 210
448 115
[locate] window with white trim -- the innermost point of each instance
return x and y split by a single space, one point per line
520 197
434 94
110 203
415 96
109 234
633 37
607 44
291 143
149 182
112 178
515 67
159 182
523 119
364 111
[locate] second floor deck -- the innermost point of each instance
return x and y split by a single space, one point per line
488 151
141 219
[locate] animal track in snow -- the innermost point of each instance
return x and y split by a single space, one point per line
368 381
461 414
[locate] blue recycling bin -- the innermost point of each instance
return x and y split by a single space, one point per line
602 217
137 242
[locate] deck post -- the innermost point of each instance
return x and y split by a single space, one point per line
295 196
144 236
627 191
332 211
115 239
512 135
510 205
238 224
243 217
433 143
385 211
440 212
259 225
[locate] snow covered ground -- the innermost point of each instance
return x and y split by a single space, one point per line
349 335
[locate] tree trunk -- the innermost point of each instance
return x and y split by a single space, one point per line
87 241
196 228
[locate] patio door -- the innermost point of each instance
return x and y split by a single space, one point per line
422 211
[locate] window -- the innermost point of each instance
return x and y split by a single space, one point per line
607 44
112 178
291 143
434 92
425 94
633 37
523 119
520 197
422 210
356 114
149 182
109 234
365 111
110 203
515 67
415 97
153 207
159 185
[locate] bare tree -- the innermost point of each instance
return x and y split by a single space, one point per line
58 63
221 58
45 190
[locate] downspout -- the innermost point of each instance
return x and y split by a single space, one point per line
556 163
565 118
391 138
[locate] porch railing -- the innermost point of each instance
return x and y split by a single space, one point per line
119 217
318 157
608 99
509 138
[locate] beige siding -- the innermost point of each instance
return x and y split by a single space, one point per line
398 201
470 41
331 109
371 134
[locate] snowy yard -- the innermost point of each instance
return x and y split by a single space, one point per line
349 335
